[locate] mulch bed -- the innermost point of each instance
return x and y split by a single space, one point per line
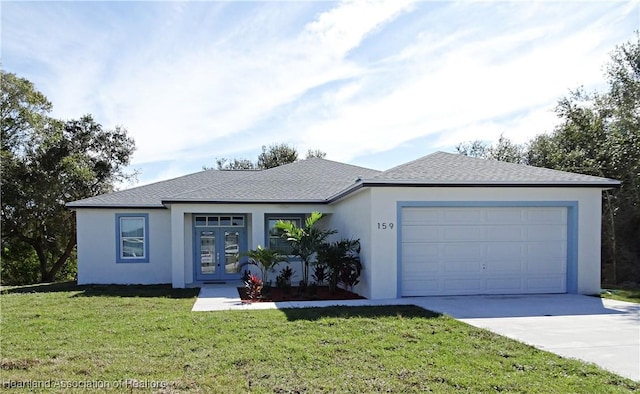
293 294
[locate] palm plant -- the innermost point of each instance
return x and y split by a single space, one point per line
265 259
342 258
304 241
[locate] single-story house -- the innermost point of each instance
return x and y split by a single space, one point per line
444 224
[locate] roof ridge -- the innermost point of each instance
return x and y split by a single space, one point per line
309 159
508 163
248 174
381 174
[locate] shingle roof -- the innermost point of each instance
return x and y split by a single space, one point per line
312 180
442 168
320 181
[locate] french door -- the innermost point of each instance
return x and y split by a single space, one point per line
217 254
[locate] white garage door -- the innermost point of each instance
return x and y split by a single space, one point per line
480 250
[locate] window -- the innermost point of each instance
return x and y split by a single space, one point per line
132 232
274 239
219 221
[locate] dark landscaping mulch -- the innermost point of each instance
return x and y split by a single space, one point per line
294 294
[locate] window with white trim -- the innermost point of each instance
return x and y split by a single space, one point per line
132 231
274 240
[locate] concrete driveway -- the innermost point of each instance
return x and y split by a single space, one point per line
601 331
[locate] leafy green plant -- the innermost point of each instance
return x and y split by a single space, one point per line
343 260
265 259
305 241
320 274
350 276
283 280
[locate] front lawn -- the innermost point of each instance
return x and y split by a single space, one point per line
148 337
629 294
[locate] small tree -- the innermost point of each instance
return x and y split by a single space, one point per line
47 163
233 164
305 241
316 153
342 258
265 259
276 155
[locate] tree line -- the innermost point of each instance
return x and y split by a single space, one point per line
273 156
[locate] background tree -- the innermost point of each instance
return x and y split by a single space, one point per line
272 156
316 153
45 164
503 150
233 164
276 155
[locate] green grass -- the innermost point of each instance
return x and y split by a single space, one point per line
628 294
148 334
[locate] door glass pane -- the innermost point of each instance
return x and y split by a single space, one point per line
213 221
225 220
238 221
201 221
231 250
208 253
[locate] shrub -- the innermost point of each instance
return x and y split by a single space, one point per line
283 280
320 274
343 260
254 287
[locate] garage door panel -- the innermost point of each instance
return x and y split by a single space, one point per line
505 216
420 251
462 286
483 250
546 267
421 234
550 250
462 233
547 233
511 233
548 284
503 285
462 251
463 215
504 250
419 216
470 267
418 287
418 267
504 266
546 216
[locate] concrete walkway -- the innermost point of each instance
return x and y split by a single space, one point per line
601 331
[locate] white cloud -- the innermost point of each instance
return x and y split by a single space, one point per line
468 94
194 81
194 98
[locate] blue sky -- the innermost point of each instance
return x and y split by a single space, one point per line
374 84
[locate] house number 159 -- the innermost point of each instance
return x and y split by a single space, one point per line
385 226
